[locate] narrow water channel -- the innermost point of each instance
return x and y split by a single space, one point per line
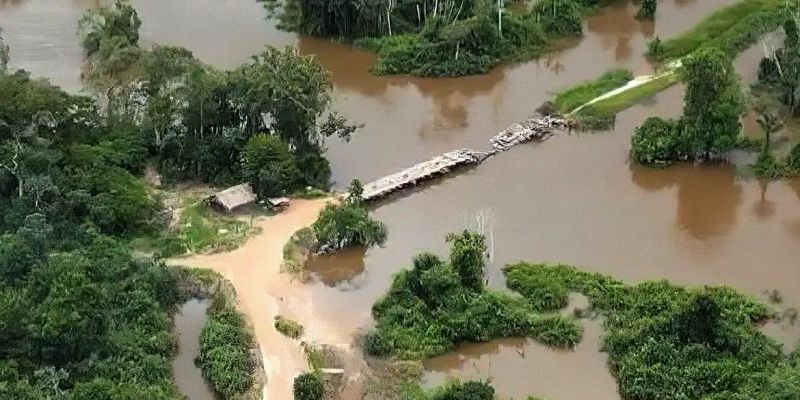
189 321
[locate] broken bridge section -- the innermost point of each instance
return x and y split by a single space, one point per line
537 128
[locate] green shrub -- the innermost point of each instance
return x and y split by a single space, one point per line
793 160
470 390
288 327
225 343
559 17
658 141
647 10
269 166
767 167
348 224
308 386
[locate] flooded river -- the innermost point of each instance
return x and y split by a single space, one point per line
573 199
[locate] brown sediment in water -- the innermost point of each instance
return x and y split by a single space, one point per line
264 292
573 199
189 321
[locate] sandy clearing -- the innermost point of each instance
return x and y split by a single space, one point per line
263 292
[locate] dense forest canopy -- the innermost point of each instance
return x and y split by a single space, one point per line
197 120
81 317
438 37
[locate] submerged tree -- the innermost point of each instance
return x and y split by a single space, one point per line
348 224
713 102
647 10
5 56
769 123
468 258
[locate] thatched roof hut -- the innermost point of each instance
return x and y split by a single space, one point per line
233 197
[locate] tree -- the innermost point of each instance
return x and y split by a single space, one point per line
769 123
308 386
5 56
713 102
559 17
348 224
468 257
647 10
658 140
269 166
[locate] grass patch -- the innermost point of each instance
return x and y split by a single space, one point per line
297 250
288 327
612 105
671 342
578 95
730 29
203 230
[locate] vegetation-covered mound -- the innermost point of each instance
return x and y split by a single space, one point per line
669 342
440 38
435 306
731 29
348 224
580 94
225 344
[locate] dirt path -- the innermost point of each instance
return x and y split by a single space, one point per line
263 292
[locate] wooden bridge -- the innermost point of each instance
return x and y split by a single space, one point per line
538 128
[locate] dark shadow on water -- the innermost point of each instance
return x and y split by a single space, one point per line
340 269
708 195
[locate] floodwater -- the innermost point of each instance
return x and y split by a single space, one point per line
189 321
574 198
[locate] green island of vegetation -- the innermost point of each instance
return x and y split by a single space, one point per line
731 29
666 341
435 306
440 38
338 226
663 341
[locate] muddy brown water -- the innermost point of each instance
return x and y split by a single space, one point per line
573 199
189 321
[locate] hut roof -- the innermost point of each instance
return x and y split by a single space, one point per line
234 196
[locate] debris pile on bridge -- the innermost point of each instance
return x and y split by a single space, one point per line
423 171
539 128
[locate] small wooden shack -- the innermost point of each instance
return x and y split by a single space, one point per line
233 198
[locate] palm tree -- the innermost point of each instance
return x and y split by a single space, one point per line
769 123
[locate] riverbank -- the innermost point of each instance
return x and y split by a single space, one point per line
263 293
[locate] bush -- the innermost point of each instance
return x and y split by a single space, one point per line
559 17
647 10
658 141
470 390
225 343
348 224
288 327
308 386
270 167
767 167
